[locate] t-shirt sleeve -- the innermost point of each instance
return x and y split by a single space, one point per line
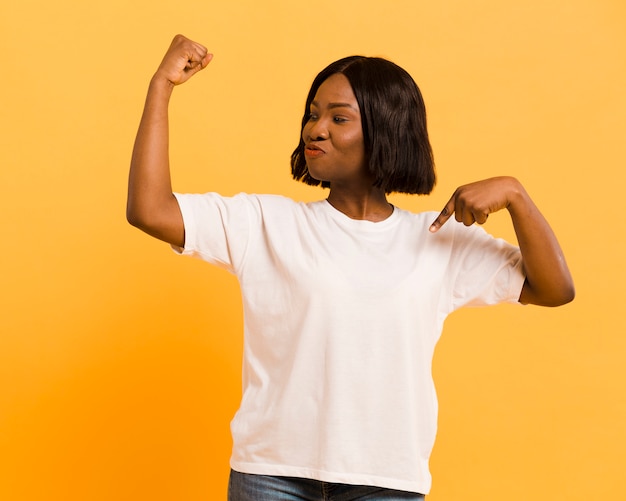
485 270
217 228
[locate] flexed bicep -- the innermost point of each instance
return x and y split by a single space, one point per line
152 206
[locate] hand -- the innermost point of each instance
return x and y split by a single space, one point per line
472 203
183 59
548 280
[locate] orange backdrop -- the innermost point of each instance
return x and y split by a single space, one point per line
119 362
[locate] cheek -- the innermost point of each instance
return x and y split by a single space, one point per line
304 133
354 142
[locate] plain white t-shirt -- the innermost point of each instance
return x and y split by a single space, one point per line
341 318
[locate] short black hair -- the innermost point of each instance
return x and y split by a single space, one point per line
393 117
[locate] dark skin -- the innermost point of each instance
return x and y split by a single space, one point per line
151 204
334 150
548 280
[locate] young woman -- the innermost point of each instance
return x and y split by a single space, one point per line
344 298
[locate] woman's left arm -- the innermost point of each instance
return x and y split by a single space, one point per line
548 280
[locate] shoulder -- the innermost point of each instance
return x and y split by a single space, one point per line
418 220
280 212
283 205
240 199
452 234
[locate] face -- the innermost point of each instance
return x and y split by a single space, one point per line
333 135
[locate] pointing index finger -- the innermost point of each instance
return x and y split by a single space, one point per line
443 216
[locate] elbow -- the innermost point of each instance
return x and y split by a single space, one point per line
565 295
552 297
136 217
133 217
157 222
566 292
569 295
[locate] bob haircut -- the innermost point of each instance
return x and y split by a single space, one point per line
393 118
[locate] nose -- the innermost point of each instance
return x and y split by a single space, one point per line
316 131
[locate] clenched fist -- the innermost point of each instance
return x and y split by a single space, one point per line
183 59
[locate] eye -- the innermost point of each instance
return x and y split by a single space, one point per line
339 120
311 116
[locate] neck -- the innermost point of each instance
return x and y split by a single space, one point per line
369 205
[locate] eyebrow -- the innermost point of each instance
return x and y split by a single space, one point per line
335 105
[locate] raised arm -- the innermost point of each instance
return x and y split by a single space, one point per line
151 205
548 280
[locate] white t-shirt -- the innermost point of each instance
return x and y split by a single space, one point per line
341 318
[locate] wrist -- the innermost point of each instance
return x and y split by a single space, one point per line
517 197
160 84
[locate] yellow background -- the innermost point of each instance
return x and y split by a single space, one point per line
119 362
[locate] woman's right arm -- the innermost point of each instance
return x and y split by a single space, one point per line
151 205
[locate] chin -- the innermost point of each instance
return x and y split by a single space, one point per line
317 176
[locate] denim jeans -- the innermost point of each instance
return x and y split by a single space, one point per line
247 487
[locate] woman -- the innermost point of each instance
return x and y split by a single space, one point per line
344 298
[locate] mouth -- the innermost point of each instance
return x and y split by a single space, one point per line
313 151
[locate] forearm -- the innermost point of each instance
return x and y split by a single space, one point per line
548 280
150 198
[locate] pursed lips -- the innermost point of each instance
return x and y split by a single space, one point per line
312 150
